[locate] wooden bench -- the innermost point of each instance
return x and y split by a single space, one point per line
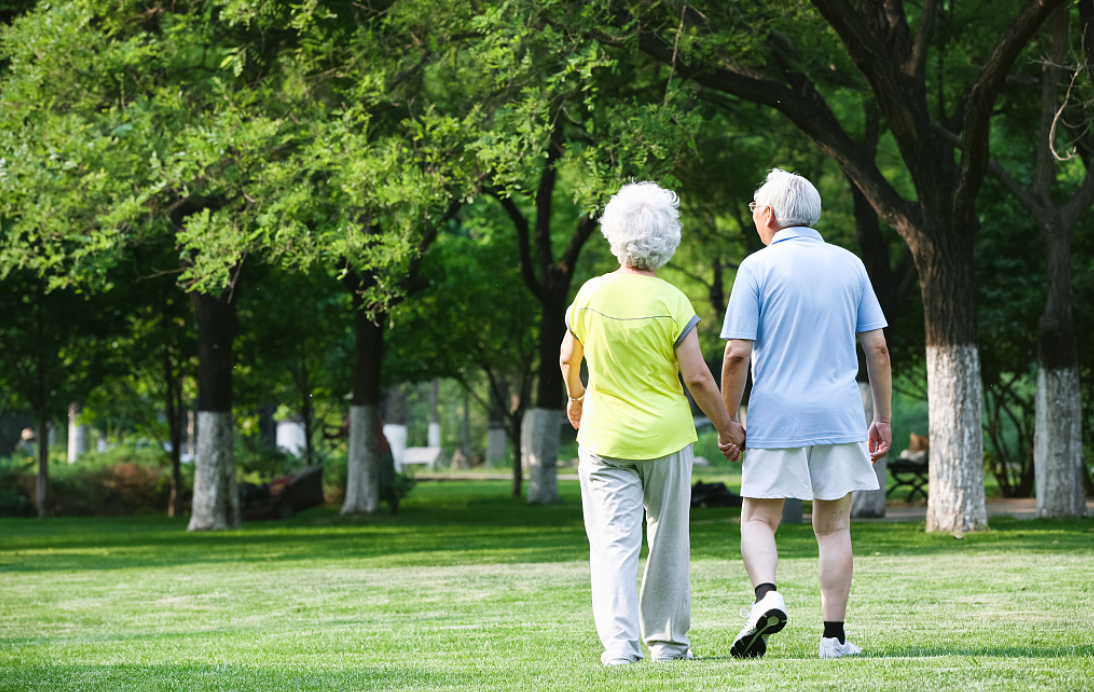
910 470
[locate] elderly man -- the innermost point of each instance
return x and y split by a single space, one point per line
637 334
795 309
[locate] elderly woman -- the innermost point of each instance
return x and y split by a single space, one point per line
637 333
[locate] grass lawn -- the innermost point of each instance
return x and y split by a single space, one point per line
469 589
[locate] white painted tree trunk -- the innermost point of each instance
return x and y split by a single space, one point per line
956 478
871 503
78 438
216 499
1058 445
433 436
363 477
396 439
539 449
495 446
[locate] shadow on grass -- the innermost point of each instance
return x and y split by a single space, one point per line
460 523
224 677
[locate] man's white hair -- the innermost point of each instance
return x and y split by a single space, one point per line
793 198
642 225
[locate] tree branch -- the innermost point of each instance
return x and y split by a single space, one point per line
520 223
585 227
977 120
808 111
918 60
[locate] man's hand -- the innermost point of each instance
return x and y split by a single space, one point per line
881 439
732 441
573 412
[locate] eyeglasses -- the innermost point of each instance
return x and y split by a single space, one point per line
753 206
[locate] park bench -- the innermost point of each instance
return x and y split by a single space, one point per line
910 470
426 456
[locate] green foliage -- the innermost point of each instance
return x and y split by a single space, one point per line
124 481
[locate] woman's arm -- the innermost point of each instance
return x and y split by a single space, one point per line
700 383
570 360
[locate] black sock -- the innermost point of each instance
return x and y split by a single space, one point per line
835 629
764 589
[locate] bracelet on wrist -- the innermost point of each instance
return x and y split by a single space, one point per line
580 398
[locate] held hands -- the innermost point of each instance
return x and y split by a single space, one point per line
573 412
880 440
731 442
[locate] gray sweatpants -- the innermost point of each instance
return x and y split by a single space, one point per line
613 494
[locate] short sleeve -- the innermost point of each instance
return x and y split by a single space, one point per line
574 323
870 316
743 314
684 320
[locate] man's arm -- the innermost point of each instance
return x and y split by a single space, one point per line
735 374
569 359
701 384
881 385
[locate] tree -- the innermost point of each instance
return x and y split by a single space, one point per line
124 125
790 67
55 348
1057 444
475 320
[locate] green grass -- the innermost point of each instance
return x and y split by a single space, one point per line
470 589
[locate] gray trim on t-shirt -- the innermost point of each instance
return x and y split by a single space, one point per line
690 325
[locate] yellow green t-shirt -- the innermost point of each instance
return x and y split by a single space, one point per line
630 326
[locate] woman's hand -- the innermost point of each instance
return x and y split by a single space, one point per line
731 442
573 412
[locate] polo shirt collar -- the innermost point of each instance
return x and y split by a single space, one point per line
796 232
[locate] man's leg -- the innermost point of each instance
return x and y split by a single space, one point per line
665 601
759 520
832 526
611 500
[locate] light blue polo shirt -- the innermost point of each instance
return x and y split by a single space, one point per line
801 301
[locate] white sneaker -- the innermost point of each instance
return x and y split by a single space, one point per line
766 617
831 648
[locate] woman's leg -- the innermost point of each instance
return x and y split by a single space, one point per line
611 500
666 583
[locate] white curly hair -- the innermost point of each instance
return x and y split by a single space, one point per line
642 225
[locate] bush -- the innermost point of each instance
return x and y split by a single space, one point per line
125 480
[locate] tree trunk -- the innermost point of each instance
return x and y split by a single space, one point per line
77 432
516 434
552 329
1057 438
174 421
307 414
1057 446
956 477
42 484
216 500
362 477
539 447
871 503
433 438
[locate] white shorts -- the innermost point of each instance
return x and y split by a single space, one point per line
821 472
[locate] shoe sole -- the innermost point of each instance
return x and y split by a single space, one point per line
755 644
